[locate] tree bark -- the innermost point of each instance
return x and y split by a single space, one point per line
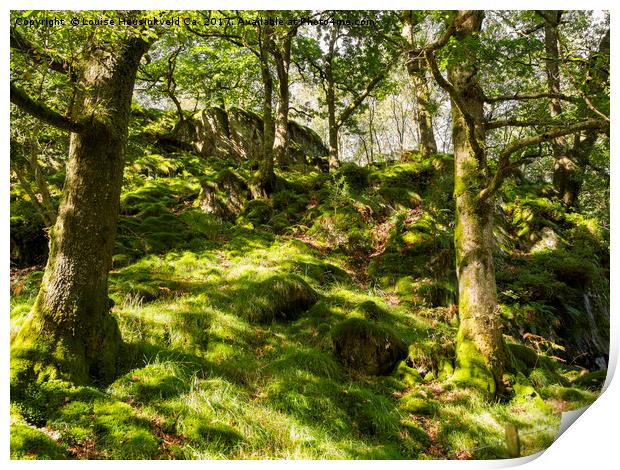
424 116
480 350
266 176
70 333
566 173
330 96
282 56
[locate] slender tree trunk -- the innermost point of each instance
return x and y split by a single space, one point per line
567 174
334 161
70 332
330 97
480 349
266 177
282 57
34 150
417 72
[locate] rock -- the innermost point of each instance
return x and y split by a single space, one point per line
258 211
225 195
366 347
407 375
237 134
370 310
521 358
282 297
592 380
549 241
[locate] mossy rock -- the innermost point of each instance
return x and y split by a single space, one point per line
407 375
592 380
258 211
416 432
367 348
225 195
521 358
370 310
283 297
154 382
523 387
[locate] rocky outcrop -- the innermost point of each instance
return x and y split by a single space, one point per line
237 134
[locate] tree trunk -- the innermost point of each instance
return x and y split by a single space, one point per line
70 333
330 97
282 59
567 173
480 348
266 177
417 73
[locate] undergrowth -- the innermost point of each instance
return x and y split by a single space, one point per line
238 329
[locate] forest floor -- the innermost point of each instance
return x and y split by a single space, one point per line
231 330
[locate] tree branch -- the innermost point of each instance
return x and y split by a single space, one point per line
456 98
56 64
504 156
353 105
43 112
497 124
529 96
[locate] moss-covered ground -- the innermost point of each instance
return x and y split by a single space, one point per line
234 326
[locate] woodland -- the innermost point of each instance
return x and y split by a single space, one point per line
306 234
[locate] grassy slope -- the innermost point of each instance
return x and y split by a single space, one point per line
209 373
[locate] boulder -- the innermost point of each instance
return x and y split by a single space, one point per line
237 134
367 348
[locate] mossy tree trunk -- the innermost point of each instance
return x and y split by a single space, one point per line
571 159
70 332
480 349
266 176
330 97
567 173
424 116
282 56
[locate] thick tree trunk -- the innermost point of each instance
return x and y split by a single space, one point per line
424 116
70 332
480 348
282 59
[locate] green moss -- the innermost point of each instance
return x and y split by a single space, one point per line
406 374
120 428
28 443
154 382
592 380
471 371
258 211
418 405
202 431
276 298
370 310
366 347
